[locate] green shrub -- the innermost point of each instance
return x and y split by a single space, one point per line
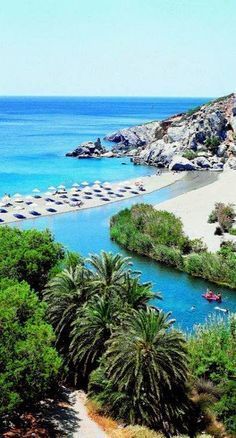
29 364
197 245
212 356
213 217
28 255
206 265
189 154
212 143
232 231
143 226
224 214
169 256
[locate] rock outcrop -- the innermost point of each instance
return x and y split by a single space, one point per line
202 138
89 149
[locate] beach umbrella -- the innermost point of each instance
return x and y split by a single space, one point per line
97 182
29 197
85 183
107 185
36 191
96 187
17 195
61 187
48 194
6 199
51 188
75 185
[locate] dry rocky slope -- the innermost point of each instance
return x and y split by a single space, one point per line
202 138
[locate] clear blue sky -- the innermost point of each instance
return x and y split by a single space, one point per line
118 47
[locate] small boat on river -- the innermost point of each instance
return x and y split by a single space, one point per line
211 296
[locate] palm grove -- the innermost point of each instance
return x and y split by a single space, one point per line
88 323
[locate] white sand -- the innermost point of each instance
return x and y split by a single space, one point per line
150 183
195 206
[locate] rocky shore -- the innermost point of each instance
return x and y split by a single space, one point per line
202 138
90 149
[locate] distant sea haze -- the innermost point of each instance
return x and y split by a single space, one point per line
36 132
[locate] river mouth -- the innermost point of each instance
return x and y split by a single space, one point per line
87 232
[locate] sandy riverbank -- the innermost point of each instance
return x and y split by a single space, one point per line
41 205
195 206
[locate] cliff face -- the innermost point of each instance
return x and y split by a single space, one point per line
204 137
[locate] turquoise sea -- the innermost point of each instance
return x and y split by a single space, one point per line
36 133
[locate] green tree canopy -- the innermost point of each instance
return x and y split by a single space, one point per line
28 255
29 364
143 373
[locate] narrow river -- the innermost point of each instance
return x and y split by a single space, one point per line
87 232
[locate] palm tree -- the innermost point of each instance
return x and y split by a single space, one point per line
91 330
108 272
136 294
65 294
146 367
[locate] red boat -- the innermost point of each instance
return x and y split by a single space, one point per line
210 296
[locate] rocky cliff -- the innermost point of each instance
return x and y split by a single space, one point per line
202 138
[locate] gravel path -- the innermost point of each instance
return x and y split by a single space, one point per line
86 427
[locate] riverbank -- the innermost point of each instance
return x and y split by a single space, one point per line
194 207
63 200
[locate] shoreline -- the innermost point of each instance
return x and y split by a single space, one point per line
194 207
150 183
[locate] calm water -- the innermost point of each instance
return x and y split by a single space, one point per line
35 134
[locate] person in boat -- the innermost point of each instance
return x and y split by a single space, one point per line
219 297
209 293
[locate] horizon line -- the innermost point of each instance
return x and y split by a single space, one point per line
109 96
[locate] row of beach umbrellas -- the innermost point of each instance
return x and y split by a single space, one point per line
86 188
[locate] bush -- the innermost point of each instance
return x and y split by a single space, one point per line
232 231
197 245
29 364
224 214
28 255
169 256
212 143
213 217
189 154
212 356
142 228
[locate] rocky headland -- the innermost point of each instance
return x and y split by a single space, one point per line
90 149
202 138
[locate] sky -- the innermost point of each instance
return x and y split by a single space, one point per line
118 47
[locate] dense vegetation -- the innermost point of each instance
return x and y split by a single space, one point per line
100 316
212 351
29 364
136 366
159 235
28 255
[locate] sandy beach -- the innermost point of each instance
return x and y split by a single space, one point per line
80 198
195 206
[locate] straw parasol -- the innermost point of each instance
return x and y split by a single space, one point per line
52 188
97 182
75 185
36 190
85 183
61 187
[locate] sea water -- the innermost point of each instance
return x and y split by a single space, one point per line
35 135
